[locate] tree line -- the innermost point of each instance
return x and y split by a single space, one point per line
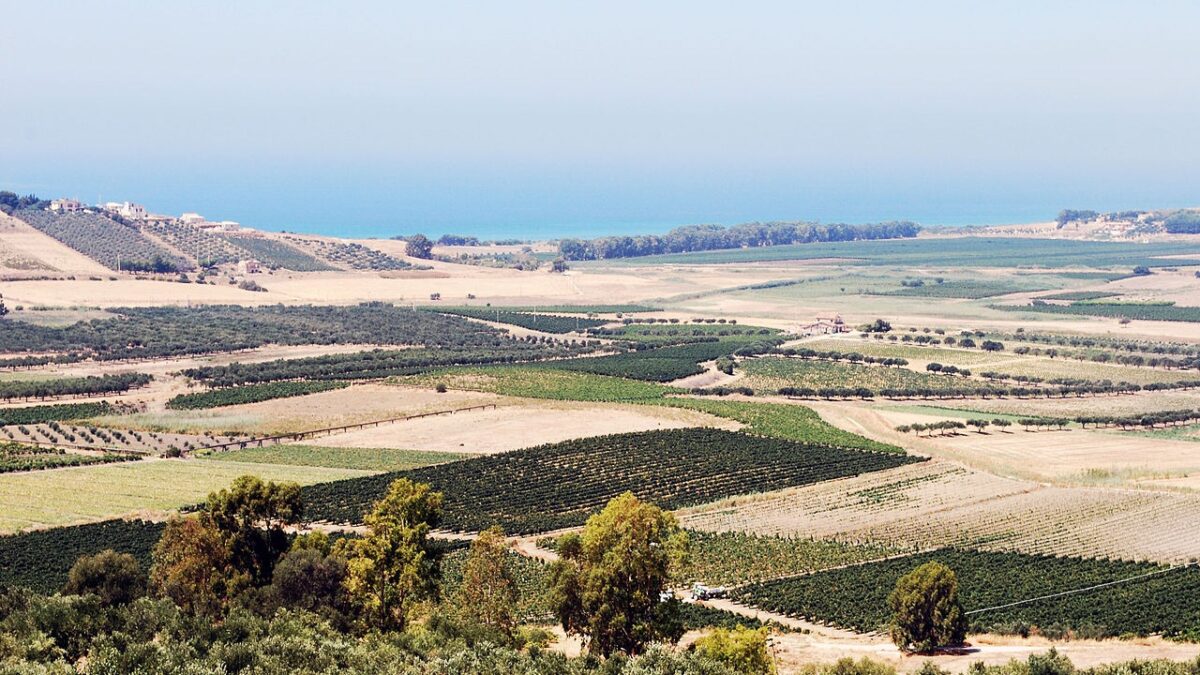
691 238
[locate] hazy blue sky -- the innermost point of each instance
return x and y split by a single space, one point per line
550 117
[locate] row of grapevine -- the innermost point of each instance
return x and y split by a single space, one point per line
112 244
378 363
352 255
274 253
159 332
662 364
41 559
48 413
856 597
92 385
559 485
250 394
21 457
547 323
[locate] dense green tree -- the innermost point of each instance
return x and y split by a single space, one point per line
418 246
743 649
253 516
116 578
391 567
926 613
608 582
193 567
488 595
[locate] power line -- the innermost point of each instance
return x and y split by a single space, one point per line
1079 590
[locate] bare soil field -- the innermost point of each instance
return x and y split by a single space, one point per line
352 405
514 425
940 504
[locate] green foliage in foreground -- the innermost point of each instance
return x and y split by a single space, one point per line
251 393
60 634
366 459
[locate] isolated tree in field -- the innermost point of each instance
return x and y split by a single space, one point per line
3 309
926 613
252 516
488 594
419 246
979 425
116 578
392 567
742 649
606 585
192 567
991 346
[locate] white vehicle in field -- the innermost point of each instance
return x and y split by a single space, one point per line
702 592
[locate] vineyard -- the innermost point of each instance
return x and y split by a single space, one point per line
253 393
974 289
559 485
276 254
1142 312
663 364
363 459
377 364
541 382
116 440
41 559
158 332
106 241
547 323
781 420
771 374
93 385
350 255
733 558
20 457
856 597
531 576
206 248
37 414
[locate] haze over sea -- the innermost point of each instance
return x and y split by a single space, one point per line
533 119
383 203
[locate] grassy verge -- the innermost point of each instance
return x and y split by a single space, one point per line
362 459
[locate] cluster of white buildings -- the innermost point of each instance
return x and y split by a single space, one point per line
137 212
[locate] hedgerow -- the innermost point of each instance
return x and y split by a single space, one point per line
547 323
253 393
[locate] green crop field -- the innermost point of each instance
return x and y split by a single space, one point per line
362 459
76 495
558 485
906 350
540 382
730 558
772 373
781 420
1114 310
41 559
251 393
941 253
968 289
856 597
